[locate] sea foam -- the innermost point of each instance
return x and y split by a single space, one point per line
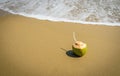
101 12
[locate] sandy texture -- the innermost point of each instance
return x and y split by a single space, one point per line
3 13
30 47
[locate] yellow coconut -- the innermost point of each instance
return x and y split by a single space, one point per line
79 48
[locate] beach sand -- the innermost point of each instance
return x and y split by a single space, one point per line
31 47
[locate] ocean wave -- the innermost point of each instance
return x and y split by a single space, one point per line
101 12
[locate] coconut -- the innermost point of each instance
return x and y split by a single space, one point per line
79 48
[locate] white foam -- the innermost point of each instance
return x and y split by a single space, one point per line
62 19
61 12
65 20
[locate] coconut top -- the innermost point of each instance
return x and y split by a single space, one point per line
79 44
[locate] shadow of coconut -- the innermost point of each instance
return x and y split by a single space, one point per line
70 53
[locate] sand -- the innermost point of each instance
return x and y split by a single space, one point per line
31 47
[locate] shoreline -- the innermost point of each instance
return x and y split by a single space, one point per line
4 12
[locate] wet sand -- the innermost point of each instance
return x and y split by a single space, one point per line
31 47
